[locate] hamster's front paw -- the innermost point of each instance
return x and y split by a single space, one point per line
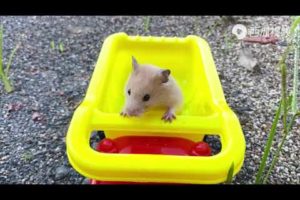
169 116
124 113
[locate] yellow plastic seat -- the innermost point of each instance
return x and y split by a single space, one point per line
205 112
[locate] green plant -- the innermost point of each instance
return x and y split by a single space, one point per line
287 103
146 23
61 47
268 145
212 28
180 33
197 26
4 73
296 64
27 156
230 174
52 45
228 39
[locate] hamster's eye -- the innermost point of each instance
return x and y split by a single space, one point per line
129 92
146 97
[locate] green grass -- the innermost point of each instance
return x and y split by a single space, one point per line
230 174
229 41
287 108
181 33
197 27
4 73
213 27
294 106
278 150
146 23
52 45
61 47
27 156
268 146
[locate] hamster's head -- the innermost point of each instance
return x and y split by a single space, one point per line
144 87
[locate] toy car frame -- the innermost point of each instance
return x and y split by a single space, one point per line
205 112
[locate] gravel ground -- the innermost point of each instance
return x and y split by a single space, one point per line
49 84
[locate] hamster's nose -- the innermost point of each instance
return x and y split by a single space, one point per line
133 112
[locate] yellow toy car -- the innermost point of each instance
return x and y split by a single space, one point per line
205 112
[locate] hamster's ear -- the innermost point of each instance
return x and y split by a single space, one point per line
165 75
135 64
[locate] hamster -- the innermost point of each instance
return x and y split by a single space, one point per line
151 86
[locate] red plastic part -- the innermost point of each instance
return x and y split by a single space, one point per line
107 146
151 145
94 182
201 149
154 145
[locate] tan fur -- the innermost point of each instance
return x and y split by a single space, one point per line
149 79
